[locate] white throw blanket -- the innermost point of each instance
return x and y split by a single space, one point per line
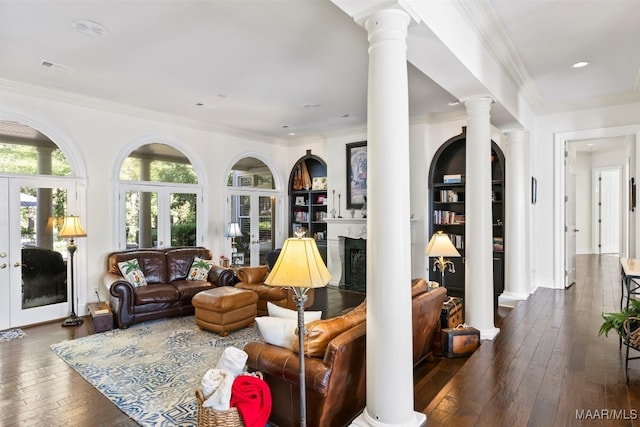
216 389
232 360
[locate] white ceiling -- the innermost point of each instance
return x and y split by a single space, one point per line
271 67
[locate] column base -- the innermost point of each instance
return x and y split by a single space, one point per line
364 420
511 299
489 333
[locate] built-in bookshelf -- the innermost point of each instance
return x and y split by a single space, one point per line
308 200
447 207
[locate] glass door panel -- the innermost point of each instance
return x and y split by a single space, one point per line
44 269
141 219
255 214
183 219
266 231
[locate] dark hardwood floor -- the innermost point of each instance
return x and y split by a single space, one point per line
547 363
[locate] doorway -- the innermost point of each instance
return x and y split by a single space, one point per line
254 204
33 260
629 136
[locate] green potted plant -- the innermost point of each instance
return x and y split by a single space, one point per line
616 320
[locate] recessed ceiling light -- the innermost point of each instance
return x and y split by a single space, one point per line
453 103
291 134
89 28
203 105
285 126
580 64
311 105
56 66
344 116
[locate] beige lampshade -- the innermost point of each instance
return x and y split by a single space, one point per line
440 246
299 265
71 228
233 230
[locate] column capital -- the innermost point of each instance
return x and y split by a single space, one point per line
387 25
515 131
477 100
361 11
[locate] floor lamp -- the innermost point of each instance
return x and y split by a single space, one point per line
440 246
299 267
71 228
233 231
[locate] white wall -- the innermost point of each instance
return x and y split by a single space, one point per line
98 136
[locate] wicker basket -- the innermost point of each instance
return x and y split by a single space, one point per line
208 417
631 327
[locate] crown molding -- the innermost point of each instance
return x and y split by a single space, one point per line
128 110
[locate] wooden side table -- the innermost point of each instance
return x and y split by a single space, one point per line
101 316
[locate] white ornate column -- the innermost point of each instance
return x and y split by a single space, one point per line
516 283
389 321
479 298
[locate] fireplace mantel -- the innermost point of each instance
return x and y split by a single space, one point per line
348 227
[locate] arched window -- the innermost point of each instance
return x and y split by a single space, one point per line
161 195
252 205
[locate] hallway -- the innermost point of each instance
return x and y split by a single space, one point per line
548 366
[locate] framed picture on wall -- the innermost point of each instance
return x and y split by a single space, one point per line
356 174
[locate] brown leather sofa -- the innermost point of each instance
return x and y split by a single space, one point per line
168 293
252 278
335 363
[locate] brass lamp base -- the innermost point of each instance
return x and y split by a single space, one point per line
73 321
441 264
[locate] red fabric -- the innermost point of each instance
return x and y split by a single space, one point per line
252 397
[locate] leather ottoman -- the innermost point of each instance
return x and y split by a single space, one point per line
225 309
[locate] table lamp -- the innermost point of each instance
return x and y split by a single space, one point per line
71 228
440 246
299 267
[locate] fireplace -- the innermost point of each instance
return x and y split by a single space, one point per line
354 264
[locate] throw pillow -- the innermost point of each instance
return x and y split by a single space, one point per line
275 310
278 331
199 269
132 272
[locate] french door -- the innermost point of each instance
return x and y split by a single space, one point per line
255 213
33 270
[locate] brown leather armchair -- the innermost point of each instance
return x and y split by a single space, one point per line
252 278
335 362
334 372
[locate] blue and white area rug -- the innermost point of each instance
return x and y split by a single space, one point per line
11 334
151 370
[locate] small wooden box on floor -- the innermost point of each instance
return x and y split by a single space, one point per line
101 316
460 341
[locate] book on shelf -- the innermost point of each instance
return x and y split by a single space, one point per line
498 244
453 178
447 217
447 196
